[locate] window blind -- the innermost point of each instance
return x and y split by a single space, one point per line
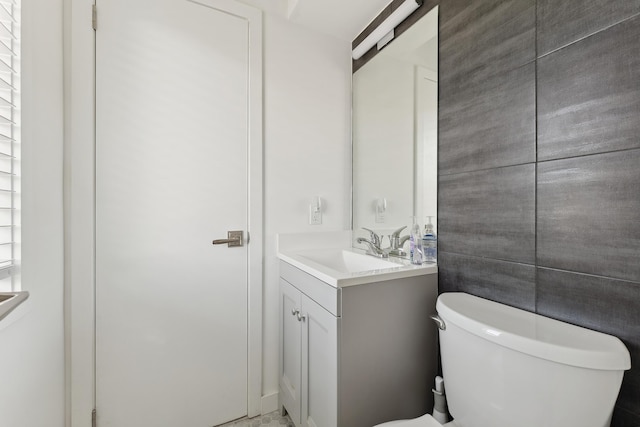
9 137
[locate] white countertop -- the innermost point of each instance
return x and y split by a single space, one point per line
304 250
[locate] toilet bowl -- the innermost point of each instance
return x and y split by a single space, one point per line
504 367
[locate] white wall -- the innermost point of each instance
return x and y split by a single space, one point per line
31 338
307 149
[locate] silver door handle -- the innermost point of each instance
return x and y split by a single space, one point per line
234 238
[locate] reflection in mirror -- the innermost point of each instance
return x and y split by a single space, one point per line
395 105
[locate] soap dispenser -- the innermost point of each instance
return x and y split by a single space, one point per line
415 243
430 243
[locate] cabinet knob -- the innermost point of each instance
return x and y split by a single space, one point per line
301 318
295 312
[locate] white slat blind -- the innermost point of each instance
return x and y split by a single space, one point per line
9 139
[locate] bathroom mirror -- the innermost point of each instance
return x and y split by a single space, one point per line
395 109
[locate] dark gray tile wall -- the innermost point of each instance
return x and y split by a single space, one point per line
624 418
539 163
500 117
589 94
564 22
589 214
474 47
506 282
489 213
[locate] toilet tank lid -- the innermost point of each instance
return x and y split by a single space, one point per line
533 334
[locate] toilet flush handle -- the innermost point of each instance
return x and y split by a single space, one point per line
438 321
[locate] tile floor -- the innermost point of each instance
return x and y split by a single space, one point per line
269 420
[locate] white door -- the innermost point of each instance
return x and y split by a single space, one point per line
171 176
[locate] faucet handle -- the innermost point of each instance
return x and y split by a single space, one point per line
375 238
398 231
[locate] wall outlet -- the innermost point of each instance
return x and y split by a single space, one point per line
315 215
381 210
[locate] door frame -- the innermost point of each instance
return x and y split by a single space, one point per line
79 206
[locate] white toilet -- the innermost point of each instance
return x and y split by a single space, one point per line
505 367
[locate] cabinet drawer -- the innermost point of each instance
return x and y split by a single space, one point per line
322 293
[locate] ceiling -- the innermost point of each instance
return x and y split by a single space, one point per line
344 19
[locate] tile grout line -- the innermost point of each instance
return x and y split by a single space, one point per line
599 153
538 161
578 40
487 169
542 267
535 170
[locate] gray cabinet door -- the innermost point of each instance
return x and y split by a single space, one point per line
319 365
290 343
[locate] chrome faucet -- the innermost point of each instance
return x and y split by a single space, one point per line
374 244
375 238
373 249
396 242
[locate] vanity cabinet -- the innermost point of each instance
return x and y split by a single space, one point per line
309 359
356 356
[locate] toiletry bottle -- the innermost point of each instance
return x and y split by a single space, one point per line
415 243
430 243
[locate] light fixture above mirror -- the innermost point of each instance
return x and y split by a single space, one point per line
384 32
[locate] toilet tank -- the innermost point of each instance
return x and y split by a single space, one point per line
505 367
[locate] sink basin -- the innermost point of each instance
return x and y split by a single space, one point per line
345 261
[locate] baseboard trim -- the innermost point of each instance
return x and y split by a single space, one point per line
269 403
